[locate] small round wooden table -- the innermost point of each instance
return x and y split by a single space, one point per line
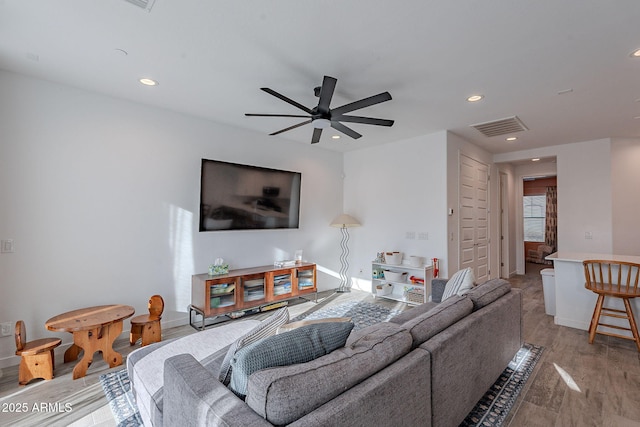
94 329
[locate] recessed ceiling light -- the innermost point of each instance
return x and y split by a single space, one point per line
336 137
535 160
635 53
148 82
475 98
512 138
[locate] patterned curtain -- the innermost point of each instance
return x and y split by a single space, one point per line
551 222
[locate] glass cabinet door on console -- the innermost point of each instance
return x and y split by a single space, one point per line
306 279
280 283
222 294
253 290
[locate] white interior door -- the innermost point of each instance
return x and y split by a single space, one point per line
474 217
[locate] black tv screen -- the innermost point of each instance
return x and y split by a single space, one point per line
244 197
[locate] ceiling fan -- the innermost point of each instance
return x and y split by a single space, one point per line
322 116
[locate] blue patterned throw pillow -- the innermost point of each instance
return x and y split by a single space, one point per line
297 346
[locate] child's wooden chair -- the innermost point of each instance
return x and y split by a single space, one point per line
37 358
147 326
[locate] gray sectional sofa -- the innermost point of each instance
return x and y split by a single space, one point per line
426 367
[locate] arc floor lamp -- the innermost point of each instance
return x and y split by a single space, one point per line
344 222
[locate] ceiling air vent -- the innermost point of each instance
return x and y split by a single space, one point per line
144 4
501 127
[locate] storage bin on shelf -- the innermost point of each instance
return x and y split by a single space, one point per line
412 294
384 289
395 276
416 261
393 258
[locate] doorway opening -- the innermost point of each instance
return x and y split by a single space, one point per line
539 220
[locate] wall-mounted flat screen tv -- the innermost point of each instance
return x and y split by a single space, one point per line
243 197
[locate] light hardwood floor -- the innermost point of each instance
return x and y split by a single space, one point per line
574 383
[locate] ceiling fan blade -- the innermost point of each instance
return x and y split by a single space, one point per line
326 93
316 135
347 131
275 115
366 102
364 120
291 127
285 99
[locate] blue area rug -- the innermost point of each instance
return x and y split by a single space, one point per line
117 389
362 313
491 410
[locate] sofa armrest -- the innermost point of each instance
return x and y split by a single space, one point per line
193 396
437 289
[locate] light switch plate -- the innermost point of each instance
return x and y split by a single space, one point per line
6 246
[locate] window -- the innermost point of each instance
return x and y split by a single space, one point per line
534 217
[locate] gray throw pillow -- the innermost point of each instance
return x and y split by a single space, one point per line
265 329
297 346
459 284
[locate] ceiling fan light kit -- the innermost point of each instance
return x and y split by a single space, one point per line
323 116
321 123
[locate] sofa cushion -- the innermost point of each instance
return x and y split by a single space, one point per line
295 325
459 283
297 346
284 394
438 318
145 365
412 312
488 292
267 328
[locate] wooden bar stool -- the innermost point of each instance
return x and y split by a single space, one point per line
37 358
147 326
615 279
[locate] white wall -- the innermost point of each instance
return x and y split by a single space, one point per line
584 197
625 176
395 189
101 199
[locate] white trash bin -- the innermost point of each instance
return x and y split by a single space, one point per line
549 290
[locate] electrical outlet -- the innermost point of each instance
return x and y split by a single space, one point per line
6 329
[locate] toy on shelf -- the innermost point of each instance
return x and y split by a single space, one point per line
436 269
416 280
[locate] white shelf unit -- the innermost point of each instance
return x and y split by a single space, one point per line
398 287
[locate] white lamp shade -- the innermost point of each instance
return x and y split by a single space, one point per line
345 221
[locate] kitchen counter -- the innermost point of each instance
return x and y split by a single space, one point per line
581 256
574 303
